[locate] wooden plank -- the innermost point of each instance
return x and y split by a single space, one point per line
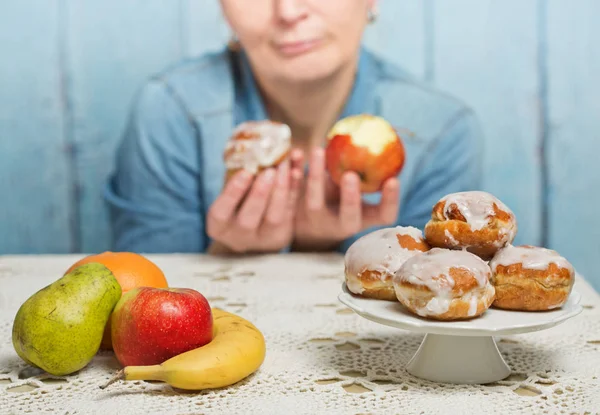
34 183
206 27
399 34
113 47
573 59
486 54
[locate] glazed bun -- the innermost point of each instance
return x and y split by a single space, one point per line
257 145
372 260
529 278
473 221
443 284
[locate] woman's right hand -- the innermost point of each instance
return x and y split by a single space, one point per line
256 214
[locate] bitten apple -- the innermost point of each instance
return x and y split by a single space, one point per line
367 145
151 325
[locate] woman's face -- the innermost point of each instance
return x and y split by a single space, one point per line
298 40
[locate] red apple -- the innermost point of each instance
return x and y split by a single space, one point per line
367 145
151 325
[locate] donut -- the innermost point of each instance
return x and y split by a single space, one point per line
257 145
530 278
474 221
443 284
373 259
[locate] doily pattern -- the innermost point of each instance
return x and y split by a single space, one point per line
321 357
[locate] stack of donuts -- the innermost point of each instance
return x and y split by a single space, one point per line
461 265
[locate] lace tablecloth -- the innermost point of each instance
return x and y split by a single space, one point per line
321 357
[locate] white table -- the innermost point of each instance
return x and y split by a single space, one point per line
321 357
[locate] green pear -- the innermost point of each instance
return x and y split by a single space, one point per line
59 328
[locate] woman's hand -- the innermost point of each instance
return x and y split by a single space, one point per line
327 214
256 214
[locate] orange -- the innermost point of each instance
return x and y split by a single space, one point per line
131 270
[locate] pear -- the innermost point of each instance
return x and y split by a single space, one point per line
60 327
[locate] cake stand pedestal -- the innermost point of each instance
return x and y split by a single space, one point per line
460 351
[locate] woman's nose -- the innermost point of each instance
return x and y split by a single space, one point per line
290 11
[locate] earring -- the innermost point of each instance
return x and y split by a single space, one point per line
372 14
234 44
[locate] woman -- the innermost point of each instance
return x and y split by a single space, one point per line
299 62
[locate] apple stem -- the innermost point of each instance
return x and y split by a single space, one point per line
120 375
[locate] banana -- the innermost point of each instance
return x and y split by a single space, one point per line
236 351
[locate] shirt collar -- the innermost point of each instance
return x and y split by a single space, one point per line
363 98
255 108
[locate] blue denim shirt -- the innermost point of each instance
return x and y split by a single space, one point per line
169 167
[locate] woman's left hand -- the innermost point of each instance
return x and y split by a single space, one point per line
328 214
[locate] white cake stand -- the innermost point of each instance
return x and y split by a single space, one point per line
460 351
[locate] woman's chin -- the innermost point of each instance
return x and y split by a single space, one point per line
307 68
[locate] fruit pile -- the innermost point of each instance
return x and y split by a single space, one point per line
121 301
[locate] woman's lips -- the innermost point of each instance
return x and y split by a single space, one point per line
291 49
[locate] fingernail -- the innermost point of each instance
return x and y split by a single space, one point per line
244 176
297 174
393 186
269 175
349 180
317 152
283 174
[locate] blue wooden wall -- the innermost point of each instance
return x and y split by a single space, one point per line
531 69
